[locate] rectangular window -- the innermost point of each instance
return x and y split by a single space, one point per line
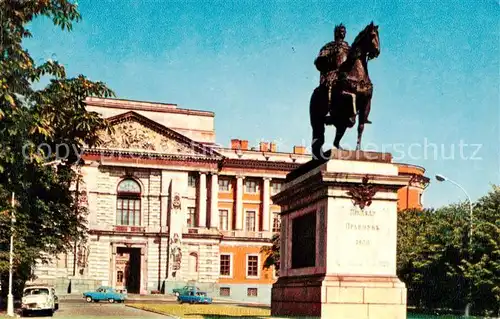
191 221
250 186
252 292
128 212
252 266
192 180
223 185
225 291
276 222
223 219
225 265
250 220
275 187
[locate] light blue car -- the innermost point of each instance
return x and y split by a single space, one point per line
104 293
193 297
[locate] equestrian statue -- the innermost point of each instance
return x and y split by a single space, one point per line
345 89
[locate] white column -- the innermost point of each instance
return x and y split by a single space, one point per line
239 203
265 205
202 200
214 201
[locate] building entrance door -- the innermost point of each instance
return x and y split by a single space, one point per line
128 269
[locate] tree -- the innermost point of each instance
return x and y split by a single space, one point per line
431 244
272 253
484 268
47 218
439 266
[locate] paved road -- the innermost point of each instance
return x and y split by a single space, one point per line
83 310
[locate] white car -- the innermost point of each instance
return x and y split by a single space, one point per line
39 299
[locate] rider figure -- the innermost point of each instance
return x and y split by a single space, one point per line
331 56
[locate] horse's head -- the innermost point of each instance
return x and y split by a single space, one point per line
374 49
368 41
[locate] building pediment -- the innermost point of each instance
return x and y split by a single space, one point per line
136 133
134 136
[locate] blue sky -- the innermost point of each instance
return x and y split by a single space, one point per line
436 96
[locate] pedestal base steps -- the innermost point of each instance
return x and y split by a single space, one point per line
340 297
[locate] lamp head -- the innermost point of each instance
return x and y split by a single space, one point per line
440 178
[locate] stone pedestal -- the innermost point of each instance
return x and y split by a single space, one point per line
338 239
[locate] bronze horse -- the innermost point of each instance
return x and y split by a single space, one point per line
351 93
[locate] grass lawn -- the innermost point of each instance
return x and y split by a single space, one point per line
232 311
205 311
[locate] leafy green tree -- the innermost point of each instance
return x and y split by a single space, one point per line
442 266
483 268
48 219
430 248
272 253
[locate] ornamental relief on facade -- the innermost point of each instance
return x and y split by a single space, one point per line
82 257
176 253
135 136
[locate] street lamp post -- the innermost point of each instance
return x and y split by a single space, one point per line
442 178
10 296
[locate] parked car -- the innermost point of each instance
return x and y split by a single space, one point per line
184 290
39 298
193 297
104 293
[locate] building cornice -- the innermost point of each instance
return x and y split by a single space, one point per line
221 163
256 164
201 236
132 154
99 232
144 106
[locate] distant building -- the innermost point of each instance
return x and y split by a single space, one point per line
168 206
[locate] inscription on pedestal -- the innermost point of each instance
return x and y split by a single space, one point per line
366 239
304 241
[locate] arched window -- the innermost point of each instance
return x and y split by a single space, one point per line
128 205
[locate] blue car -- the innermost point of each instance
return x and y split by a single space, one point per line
193 297
184 290
104 293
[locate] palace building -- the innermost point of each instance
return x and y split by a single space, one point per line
167 206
